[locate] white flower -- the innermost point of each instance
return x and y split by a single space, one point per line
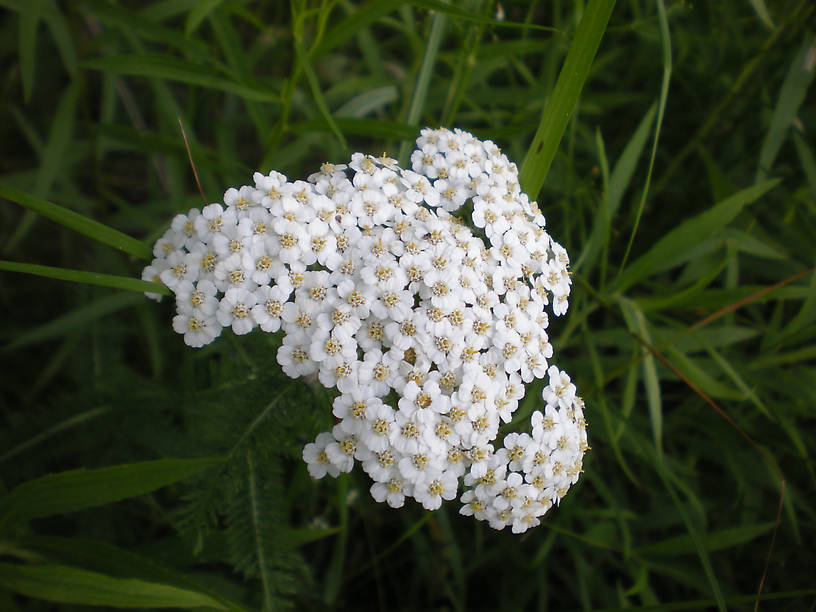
235 310
434 485
392 491
317 461
560 391
426 330
198 328
267 311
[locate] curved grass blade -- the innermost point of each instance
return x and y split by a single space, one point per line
30 14
199 13
670 250
559 108
80 489
77 586
91 278
52 159
175 69
423 81
79 223
317 93
791 96
376 128
665 39
75 320
116 562
53 430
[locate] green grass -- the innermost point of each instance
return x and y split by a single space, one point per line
671 150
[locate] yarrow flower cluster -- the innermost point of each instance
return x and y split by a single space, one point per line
427 330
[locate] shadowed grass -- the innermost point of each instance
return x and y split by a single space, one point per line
690 331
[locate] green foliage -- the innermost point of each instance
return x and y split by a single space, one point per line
681 180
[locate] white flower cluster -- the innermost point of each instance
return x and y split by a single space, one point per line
427 331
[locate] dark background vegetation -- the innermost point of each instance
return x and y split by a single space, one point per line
677 506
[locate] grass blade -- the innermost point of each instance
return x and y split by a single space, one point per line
794 88
619 181
637 323
53 430
116 562
200 12
74 320
30 13
182 71
559 108
77 586
665 39
80 489
354 23
91 278
423 81
79 223
317 94
669 250
53 158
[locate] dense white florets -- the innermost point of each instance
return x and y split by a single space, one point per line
427 331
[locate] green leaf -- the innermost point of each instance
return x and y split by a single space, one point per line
701 378
117 563
76 586
423 81
199 13
354 23
145 28
53 159
74 320
368 102
457 11
30 14
79 223
797 81
761 10
92 278
637 323
559 108
69 423
80 489
61 33
665 40
175 69
716 540
375 128
317 93
619 181
669 251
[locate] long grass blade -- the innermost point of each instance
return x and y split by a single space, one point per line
92 278
182 71
665 40
561 105
423 81
79 223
